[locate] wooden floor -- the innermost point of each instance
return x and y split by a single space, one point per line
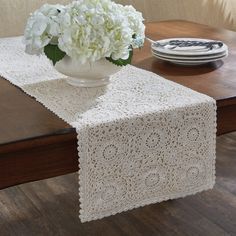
51 208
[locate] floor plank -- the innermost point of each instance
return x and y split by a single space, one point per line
50 207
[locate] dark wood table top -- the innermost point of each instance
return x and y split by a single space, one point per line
22 118
217 79
27 126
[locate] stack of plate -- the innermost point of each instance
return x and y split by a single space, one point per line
189 51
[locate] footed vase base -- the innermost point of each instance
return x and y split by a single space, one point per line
87 83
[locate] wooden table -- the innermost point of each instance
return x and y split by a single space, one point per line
35 144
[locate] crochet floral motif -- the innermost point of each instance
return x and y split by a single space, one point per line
141 140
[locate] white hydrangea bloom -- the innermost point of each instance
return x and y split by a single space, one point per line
93 29
87 30
42 28
135 20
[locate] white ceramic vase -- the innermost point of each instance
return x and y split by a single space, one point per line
87 75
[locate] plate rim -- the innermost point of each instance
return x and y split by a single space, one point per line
190 61
191 58
190 53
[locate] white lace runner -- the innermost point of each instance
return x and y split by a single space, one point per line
141 140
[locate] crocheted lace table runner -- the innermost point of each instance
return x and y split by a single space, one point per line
141 140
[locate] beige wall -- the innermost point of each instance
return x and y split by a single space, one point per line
221 13
14 13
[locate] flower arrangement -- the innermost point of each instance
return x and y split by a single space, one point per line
86 30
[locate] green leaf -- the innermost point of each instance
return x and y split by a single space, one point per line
121 62
54 53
